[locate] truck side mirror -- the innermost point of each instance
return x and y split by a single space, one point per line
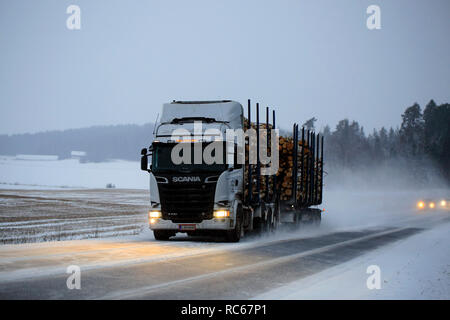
144 151
144 163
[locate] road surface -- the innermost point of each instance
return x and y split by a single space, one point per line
138 267
154 270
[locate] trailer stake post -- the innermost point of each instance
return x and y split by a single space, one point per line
316 189
250 189
275 175
321 172
258 164
302 169
267 150
308 136
295 163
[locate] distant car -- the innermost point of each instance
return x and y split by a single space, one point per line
433 204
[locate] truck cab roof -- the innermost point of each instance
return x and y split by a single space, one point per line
220 114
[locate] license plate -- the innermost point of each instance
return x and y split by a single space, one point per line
186 227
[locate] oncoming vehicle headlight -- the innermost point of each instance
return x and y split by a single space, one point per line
443 203
431 205
154 214
420 204
221 214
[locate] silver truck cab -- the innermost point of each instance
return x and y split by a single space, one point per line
196 197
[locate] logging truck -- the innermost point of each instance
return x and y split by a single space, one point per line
213 171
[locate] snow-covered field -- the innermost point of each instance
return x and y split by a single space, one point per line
44 199
64 214
70 173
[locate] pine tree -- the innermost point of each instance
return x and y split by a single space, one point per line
411 132
309 124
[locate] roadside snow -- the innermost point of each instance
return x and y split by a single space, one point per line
414 268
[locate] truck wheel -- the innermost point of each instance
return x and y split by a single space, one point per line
161 235
257 226
235 234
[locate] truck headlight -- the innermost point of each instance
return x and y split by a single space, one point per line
154 214
431 205
420 205
443 203
221 214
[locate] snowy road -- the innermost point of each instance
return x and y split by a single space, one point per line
180 269
411 249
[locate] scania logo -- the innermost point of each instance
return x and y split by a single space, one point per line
186 179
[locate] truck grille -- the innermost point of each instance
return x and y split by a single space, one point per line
187 202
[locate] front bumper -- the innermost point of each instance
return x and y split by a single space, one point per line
211 224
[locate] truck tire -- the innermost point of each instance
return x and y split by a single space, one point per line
162 235
257 226
234 235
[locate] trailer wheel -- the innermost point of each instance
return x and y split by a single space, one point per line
258 222
277 216
162 235
270 224
317 219
298 220
235 234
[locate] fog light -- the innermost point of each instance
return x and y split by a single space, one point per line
431 205
155 214
152 220
221 214
420 205
443 203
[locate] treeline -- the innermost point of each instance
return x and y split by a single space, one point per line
422 142
100 142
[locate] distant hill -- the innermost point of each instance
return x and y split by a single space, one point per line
99 142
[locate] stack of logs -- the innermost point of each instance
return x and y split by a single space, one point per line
284 179
286 165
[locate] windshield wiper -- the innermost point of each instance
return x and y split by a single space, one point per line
192 119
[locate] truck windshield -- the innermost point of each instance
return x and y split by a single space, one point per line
162 161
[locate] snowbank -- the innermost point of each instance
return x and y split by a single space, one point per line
415 268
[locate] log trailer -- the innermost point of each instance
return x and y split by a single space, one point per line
229 199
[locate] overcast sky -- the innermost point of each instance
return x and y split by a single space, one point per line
307 58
